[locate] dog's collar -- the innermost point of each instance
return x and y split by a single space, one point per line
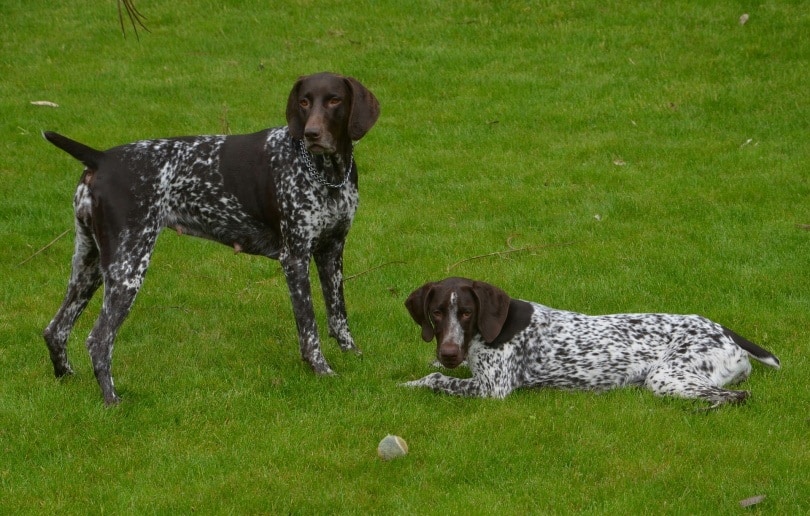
313 171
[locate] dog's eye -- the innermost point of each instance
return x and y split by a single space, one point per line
437 314
466 314
304 103
334 101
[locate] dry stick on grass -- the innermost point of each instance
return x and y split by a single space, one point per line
49 244
347 278
509 251
803 226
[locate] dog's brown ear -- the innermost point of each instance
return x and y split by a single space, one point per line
294 122
365 109
493 307
417 304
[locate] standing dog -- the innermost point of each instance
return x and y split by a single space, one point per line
510 343
288 193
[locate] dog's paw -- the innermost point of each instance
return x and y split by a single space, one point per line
327 371
319 365
63 371
409 385
426 381
351 348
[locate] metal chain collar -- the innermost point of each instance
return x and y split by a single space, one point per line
317 176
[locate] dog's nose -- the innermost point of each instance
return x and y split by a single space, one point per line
312 133
449 355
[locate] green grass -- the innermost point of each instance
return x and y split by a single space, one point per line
664 141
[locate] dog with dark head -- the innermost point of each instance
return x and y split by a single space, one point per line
288 193
509 343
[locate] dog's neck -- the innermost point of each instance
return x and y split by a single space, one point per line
333 170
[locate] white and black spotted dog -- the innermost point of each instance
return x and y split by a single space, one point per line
288 193
509 343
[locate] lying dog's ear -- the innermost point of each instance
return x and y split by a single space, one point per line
417 304
493 307
365 109
294 122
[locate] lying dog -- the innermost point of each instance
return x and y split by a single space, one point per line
288 193
509 343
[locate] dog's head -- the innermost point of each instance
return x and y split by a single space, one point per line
329 111
455 310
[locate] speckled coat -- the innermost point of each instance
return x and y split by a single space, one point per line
533 345
288 193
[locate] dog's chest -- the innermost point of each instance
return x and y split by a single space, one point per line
312 208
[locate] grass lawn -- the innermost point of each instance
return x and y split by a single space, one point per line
665 144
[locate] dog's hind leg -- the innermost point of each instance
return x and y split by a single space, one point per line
85 278
122 281
676 380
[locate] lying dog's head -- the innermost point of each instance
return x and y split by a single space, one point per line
330 111
454 310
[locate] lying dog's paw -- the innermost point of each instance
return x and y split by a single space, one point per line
427 381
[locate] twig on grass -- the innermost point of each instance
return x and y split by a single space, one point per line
49 244
803 226
347 278
163 308
509 251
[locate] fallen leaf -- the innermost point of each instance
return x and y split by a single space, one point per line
748 502
743 18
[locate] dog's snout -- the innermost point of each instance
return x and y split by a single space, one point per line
312 132
450 354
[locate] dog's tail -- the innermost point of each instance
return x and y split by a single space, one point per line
756 352
87 155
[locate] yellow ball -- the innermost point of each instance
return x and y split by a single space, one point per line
391 447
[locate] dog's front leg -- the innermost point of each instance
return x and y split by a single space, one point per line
330 271
477 387
296 271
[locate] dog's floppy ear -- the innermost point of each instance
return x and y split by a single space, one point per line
417 304
294 122
365 109
493 307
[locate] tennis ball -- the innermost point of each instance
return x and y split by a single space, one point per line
391 447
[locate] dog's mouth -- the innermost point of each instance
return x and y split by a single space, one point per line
450 364
450 356
318 147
